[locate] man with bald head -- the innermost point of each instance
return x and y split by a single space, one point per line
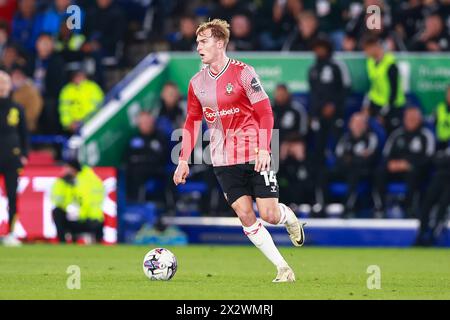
407 156
355 153
14 148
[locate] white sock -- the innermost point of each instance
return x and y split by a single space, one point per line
262 239
287 216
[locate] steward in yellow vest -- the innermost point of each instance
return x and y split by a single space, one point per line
443 122
78 199
386 97
78 100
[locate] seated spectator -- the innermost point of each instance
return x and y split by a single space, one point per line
171 107
145 158
28 96
104 29
290 116
276 19
437 195
55 16
407 158
298 173
78 200
433 38
49 77
26 25
68 45
226 9
356 29
185 39
355 153
442 118
79 99
12 55
305 35
241 36
4 36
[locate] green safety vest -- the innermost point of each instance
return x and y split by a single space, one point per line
442 122
379 92
77 102
87 193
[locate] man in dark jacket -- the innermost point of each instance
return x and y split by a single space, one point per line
329 83
14 149
356 153
407 157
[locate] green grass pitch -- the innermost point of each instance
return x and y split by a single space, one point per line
223 272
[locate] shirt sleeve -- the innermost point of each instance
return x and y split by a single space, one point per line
252 85
192 124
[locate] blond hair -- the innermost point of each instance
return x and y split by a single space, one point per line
220 29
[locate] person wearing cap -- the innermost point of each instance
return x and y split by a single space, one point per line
329 83
78 197
78 100
13 150
386 98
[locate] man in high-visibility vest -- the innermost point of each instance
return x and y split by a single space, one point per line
386 98
78 199
442 115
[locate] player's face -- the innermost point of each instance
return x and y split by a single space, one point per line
208 47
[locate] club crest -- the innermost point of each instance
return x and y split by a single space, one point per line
229 88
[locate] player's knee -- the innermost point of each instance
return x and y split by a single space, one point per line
244 212
270 214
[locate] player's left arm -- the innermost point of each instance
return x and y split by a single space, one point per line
263 110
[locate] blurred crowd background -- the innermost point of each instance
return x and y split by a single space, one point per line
60 77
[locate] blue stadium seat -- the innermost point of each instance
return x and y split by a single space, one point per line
341 188
153 185
192 186
397 188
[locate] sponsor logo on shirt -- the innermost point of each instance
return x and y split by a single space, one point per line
211 115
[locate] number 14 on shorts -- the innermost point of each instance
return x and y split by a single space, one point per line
270 177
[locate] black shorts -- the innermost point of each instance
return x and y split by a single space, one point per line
242 180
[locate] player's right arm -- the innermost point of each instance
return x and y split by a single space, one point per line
191 130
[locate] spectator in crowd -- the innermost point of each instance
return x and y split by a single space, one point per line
185 39
306 33
409 20
386 98
356 153
55 16
146 158
12 55
78 197
7 10
357 28
26 25
79 99
104 30
28 96
330 16
241 37
226 9
433 38
14 149
297 175
407 158
4 36
329 84
49 77
68 45
276 20
437 195
442 119
290 116
171 108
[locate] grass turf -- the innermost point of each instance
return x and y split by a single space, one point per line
219 272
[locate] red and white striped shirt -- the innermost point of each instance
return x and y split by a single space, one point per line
236 109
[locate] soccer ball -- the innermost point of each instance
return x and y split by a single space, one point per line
159 264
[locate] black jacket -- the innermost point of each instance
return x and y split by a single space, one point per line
13 133
416 147
329 82
147 151
357 152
